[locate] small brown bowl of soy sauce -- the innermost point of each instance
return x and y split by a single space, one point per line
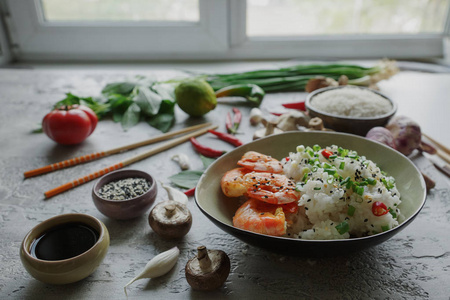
65 249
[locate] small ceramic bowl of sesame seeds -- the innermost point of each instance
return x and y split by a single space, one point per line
124 194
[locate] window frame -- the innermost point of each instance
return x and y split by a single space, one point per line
397 46
219 35
37 39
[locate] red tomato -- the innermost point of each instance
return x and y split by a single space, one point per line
69 125
379 209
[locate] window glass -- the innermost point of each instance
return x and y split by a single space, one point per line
119 10
326 17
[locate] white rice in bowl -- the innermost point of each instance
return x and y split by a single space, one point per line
351 102
340 195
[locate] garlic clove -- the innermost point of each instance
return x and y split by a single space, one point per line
182 159
158 265
175 194
256 116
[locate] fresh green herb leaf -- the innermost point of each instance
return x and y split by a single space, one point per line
342 228
122 88
162 122
165 117
186 179
148 101
165 90
207 161
131 116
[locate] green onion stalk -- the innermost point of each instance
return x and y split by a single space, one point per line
296 77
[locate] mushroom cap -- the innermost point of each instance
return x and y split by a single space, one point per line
210 278
170 219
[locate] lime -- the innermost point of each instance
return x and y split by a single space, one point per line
195 97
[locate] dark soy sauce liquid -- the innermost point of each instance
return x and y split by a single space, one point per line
64 241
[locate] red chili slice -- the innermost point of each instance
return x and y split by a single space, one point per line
326 153
379 209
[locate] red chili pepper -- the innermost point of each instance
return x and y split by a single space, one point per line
326 153
232 126
379 209
237 117
206 151
190 192
296 105
229 138
276 114
288 158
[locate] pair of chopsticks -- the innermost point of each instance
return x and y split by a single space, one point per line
202 129
441 150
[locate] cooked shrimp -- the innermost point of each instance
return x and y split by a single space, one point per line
260 217
260 163
271 188
232 182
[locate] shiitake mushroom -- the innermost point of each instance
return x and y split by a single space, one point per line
208 270
170 219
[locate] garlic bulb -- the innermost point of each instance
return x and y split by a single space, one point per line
175 194
182 159
158 265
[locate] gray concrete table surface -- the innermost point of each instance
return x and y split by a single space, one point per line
414 264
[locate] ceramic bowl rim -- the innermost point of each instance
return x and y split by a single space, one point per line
311 95
302 241
79 218
96 187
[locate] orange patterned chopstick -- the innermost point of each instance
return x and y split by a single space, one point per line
64 164
89 157
157 149
81 180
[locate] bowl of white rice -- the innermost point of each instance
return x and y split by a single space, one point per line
350 109
360 196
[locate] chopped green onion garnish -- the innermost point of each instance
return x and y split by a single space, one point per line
330 179
337 176
332 156
351 210
317 188
305 176
360 190
316 147
385 228
310 152
352 155
327 166
394 215
342 165
330 171
388 182
342 227
349 184
346 180
371 181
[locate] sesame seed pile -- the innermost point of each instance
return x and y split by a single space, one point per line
124 189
